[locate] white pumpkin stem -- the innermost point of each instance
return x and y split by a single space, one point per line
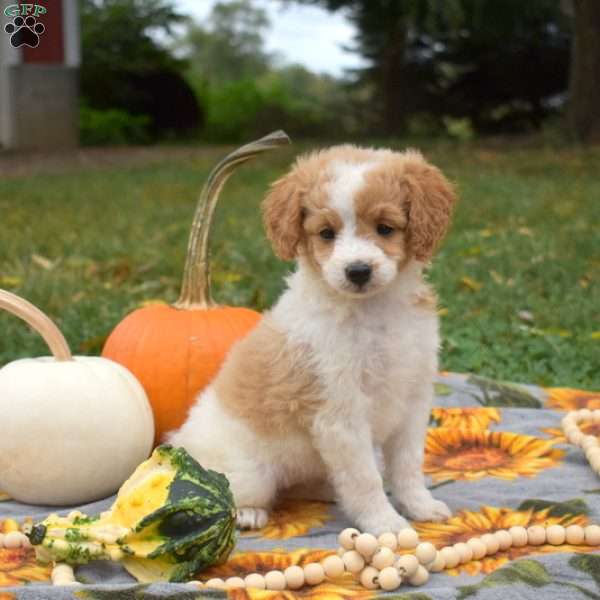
39 321
195 289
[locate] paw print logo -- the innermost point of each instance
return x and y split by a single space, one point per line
24 32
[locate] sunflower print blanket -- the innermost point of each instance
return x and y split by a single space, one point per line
495 454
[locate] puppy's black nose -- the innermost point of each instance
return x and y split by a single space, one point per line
358 273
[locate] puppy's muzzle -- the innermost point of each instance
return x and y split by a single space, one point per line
358 273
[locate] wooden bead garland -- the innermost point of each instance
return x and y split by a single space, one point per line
413 569
588 443
373 560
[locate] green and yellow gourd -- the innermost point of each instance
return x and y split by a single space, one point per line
171 519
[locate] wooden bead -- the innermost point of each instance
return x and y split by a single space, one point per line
13 539
584 414
504 539
366 544
353 561
62 568
216 582
340 551
595 464
596 415
575 535
195 583
439 564
556 535
347 538
592 535
451 557
333 566
568 421
407 565
465 553
407 538
383 558
389 579
388 540
256 581
294 577
275 580
589 441
536 535
234 583
575 437
314 574
491 543
478 548
518 535
420 577
592 453
369 578
425 552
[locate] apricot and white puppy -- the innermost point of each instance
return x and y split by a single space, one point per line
342 366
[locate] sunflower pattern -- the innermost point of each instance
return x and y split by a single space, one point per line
569 399
465 418
469 454
494 452
293 518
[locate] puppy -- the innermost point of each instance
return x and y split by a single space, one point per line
342 366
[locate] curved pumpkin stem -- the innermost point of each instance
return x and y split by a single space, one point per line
195 289
39 321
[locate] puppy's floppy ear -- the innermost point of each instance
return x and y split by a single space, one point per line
282 216
430 200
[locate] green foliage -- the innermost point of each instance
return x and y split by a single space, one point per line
117 44
127 73
229 46
112 126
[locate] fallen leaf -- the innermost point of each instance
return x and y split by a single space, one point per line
525 231
497 277
42 261
471 283
525 315
9 281
442 312
151 302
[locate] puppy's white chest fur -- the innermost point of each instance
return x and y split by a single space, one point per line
369 356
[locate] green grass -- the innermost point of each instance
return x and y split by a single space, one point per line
517 276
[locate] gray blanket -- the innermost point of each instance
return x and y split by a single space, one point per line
495 453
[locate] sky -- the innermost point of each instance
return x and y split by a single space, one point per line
308 35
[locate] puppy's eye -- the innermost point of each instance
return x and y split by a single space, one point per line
384 230
327 234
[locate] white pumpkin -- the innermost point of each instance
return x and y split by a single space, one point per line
72 429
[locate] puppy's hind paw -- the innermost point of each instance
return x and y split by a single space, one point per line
252 518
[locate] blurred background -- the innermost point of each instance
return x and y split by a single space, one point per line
110 124
212 70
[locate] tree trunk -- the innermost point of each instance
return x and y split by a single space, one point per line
391 82
584 86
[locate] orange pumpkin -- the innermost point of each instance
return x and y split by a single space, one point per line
176 350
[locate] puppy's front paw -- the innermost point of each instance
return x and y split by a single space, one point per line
426 508
377 524
252 518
